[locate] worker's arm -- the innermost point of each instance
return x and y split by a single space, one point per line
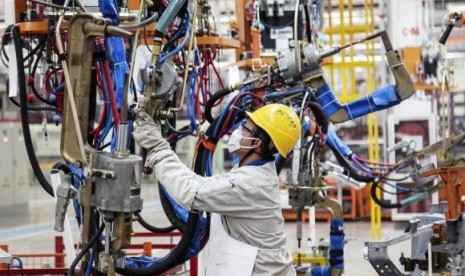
226 194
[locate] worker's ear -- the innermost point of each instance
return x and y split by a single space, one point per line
257 143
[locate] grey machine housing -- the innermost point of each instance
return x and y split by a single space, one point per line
117 180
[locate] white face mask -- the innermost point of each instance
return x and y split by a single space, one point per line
234 142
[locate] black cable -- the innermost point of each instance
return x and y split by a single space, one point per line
152 228
6 38
105 145
85 249
446 33
320 117
214 98
98 246
133 89
24 116
60 166
383 203
39 45
55 6
307 24
175 257
37 109
312 147
349 169
33 73
92 108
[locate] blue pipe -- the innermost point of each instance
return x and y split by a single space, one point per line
190 100
109 9
89 265
336 250
180 46
77 179
333 140
378 100
414 198
287 93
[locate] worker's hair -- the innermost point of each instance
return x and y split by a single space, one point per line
267 149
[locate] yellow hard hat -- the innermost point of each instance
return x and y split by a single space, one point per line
281 123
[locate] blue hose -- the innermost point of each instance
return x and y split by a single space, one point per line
287 93
77 181
336 251
336 142
109 9
190 99
18 266
89 265
176 50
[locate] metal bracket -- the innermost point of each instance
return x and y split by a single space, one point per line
83 28
377 252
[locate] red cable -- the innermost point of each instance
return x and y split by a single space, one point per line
102 95
111 91
228 118
96 130
363 168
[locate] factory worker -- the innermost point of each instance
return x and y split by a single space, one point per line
247 228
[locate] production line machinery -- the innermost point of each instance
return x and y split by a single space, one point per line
105 187
437 239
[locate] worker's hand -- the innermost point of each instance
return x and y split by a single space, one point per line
147 132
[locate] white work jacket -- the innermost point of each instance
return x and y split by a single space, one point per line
248 200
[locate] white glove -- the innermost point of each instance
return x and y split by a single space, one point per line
147 133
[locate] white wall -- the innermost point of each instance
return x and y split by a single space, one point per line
408 22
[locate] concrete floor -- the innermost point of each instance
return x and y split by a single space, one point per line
30 230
